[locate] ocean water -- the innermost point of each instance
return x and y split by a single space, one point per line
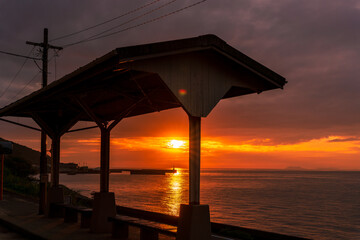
318 205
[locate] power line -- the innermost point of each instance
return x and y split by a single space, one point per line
124 23
110 20
18 55
32 79
17 73
28 83
138 25
101 35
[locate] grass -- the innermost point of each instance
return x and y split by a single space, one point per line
22 185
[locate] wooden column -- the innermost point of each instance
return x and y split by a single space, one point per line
104 160
194 159
105 139
104 201
2 156
43 175
55 161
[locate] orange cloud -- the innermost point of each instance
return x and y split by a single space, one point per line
218 144
336 152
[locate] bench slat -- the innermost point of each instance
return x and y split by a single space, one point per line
145 225
70 213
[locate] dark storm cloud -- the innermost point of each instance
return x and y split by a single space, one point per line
314 44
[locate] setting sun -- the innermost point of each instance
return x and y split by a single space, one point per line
176 144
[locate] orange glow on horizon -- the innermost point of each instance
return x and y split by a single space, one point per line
216 144
226 151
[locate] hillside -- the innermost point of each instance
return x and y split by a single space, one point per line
30 155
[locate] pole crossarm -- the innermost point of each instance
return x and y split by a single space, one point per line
43 45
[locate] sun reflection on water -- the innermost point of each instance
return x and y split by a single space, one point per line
176 191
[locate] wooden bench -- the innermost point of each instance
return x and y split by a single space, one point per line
70 213
149 230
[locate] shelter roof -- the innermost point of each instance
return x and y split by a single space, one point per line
194 73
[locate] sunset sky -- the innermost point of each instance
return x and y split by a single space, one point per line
313 123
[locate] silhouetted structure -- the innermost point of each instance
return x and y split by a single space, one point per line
194 74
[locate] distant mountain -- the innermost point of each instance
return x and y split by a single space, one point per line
30 155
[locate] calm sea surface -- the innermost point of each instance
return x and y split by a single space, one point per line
318 205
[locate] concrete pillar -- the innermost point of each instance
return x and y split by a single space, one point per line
194 223
103 207
55 195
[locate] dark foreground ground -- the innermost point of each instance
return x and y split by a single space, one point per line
19 219
8 234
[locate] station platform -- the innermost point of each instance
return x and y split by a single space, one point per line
19 215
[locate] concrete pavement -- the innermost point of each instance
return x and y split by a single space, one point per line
20 215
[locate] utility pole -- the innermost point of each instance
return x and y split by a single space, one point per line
43 160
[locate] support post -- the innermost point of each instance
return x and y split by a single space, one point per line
194 219
104 160
55 193
194 159
104 201
2 176
43 175
55 161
